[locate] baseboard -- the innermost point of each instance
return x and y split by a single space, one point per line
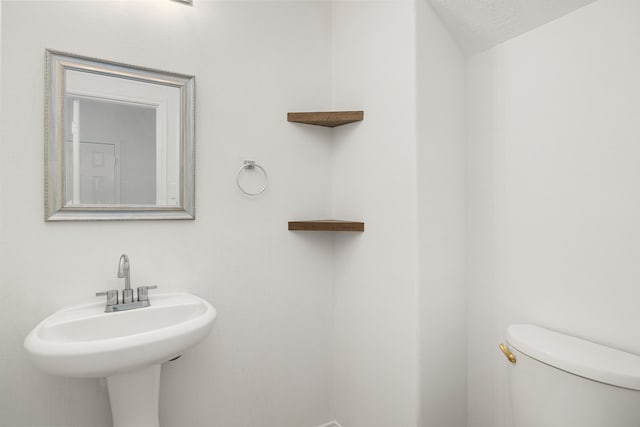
331 424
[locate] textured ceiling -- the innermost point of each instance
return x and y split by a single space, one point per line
480 24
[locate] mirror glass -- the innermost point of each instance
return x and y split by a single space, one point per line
119 141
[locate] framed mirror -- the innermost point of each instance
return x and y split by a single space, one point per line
119 141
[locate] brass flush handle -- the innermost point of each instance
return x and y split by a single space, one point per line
507 353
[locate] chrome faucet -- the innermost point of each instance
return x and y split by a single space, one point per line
124 272
128 302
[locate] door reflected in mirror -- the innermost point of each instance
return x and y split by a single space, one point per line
111 150
119 141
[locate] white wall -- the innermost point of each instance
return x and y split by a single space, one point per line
441 174
266 362
554 190
375 355
3 223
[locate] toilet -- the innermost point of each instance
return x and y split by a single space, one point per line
557 380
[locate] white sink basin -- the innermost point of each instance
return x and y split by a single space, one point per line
84 341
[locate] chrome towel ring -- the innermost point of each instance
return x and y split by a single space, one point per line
251 164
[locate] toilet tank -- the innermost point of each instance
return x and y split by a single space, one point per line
562 381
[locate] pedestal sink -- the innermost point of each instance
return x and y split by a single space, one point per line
126 347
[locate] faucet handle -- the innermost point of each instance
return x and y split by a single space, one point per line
112 296
143 292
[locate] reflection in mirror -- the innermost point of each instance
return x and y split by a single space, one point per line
112 153
119 143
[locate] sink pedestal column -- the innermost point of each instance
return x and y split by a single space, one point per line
134 397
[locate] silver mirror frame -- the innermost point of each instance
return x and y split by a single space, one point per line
57 63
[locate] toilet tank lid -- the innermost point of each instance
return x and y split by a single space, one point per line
577 356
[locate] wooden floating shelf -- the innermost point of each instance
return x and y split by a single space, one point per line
326 225
329 119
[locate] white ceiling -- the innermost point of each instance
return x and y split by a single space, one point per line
480 24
